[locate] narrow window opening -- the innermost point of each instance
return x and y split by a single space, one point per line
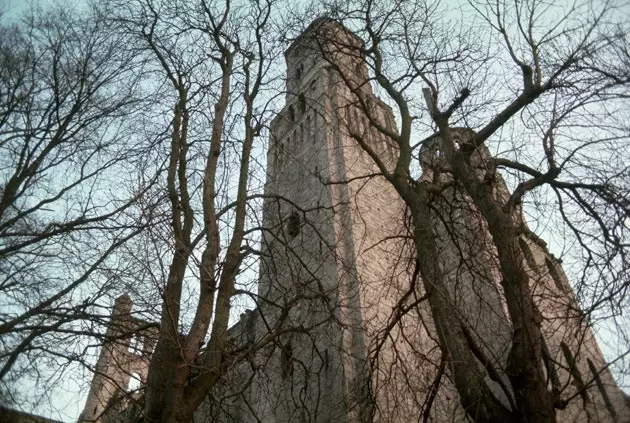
280 153
286 360
302 103
291 114
550 367
602 389
293 225
575 372
250 326
299 72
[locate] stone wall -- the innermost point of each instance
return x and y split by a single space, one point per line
125 355
342 331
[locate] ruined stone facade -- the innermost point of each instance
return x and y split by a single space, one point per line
341 332
122 363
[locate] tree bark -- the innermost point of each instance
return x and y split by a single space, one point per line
526 366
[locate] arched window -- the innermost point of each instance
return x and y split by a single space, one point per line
135 381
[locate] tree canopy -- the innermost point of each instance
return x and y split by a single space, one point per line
133 142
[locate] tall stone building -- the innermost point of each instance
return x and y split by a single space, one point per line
342 331
123 362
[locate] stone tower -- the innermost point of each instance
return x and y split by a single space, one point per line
124 359
331 249
342 331
336 264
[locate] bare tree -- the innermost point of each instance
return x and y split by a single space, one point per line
188 246
213 63
550 107
67 93
532 102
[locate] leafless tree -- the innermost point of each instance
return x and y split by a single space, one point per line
67 95
189 90
543 88
535 101
213 63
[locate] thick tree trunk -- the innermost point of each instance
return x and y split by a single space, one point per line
480 403
526 367
166 371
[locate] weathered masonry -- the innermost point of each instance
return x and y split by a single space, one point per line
122 363
328 341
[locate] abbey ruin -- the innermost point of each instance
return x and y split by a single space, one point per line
342 331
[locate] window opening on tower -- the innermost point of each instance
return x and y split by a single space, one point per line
135 381
301 103
280 153
293 225
286 360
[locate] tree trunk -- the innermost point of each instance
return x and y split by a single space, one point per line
476 398
525 367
